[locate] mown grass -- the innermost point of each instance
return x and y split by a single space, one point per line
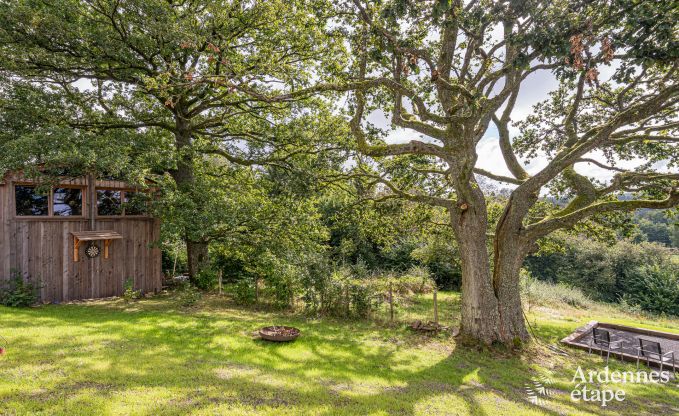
154 357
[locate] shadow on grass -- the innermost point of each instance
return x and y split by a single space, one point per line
101 357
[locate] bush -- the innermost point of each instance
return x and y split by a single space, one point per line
416 280
206 279
640 274
129 293
350 291
19 292
346 292
189 295
244 292
537 292
441 257
655 289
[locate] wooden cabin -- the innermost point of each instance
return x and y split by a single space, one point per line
77 238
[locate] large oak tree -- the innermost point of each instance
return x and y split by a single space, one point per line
447 71
178 79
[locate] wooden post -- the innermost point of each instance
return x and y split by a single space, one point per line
257 289
436 308
174 266
391 302
92 200
220 281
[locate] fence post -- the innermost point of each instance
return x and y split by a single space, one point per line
436 307
220 282
391 302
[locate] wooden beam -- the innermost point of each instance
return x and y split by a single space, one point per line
76 246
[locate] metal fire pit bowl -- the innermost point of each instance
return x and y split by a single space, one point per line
279 333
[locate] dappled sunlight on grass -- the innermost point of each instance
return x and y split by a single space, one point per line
153 357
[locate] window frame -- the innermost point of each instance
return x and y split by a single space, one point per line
83 201
123 192
50 202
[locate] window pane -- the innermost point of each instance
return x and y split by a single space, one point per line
135 203
68 201
29 202
108 202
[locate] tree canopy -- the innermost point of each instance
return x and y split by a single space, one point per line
216 99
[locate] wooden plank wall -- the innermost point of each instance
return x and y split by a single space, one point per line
43 250
4 237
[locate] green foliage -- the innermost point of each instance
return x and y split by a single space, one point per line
438 252
657 227
537 292
641 274
206 279
18 291
353 291
245 292
655 289
189 295
130 293
416 280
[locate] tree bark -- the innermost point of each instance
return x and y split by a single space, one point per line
510 248
506 274
491 300
197 255
480 314
184 177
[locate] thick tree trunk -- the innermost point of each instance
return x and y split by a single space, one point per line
510 249
480 314
491 303
506 282
197 255
184 177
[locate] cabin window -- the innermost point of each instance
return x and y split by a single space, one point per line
29 202
67 202
109 202
135 203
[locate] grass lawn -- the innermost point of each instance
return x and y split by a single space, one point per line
154 357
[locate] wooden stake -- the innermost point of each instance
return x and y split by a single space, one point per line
436 308
391 302
220 281
174 266
256 289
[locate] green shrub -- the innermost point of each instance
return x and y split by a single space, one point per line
349 291
189 295
129 293
19 292
626 304
244 292
206 279
537 292
415 280
655 289
643 275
